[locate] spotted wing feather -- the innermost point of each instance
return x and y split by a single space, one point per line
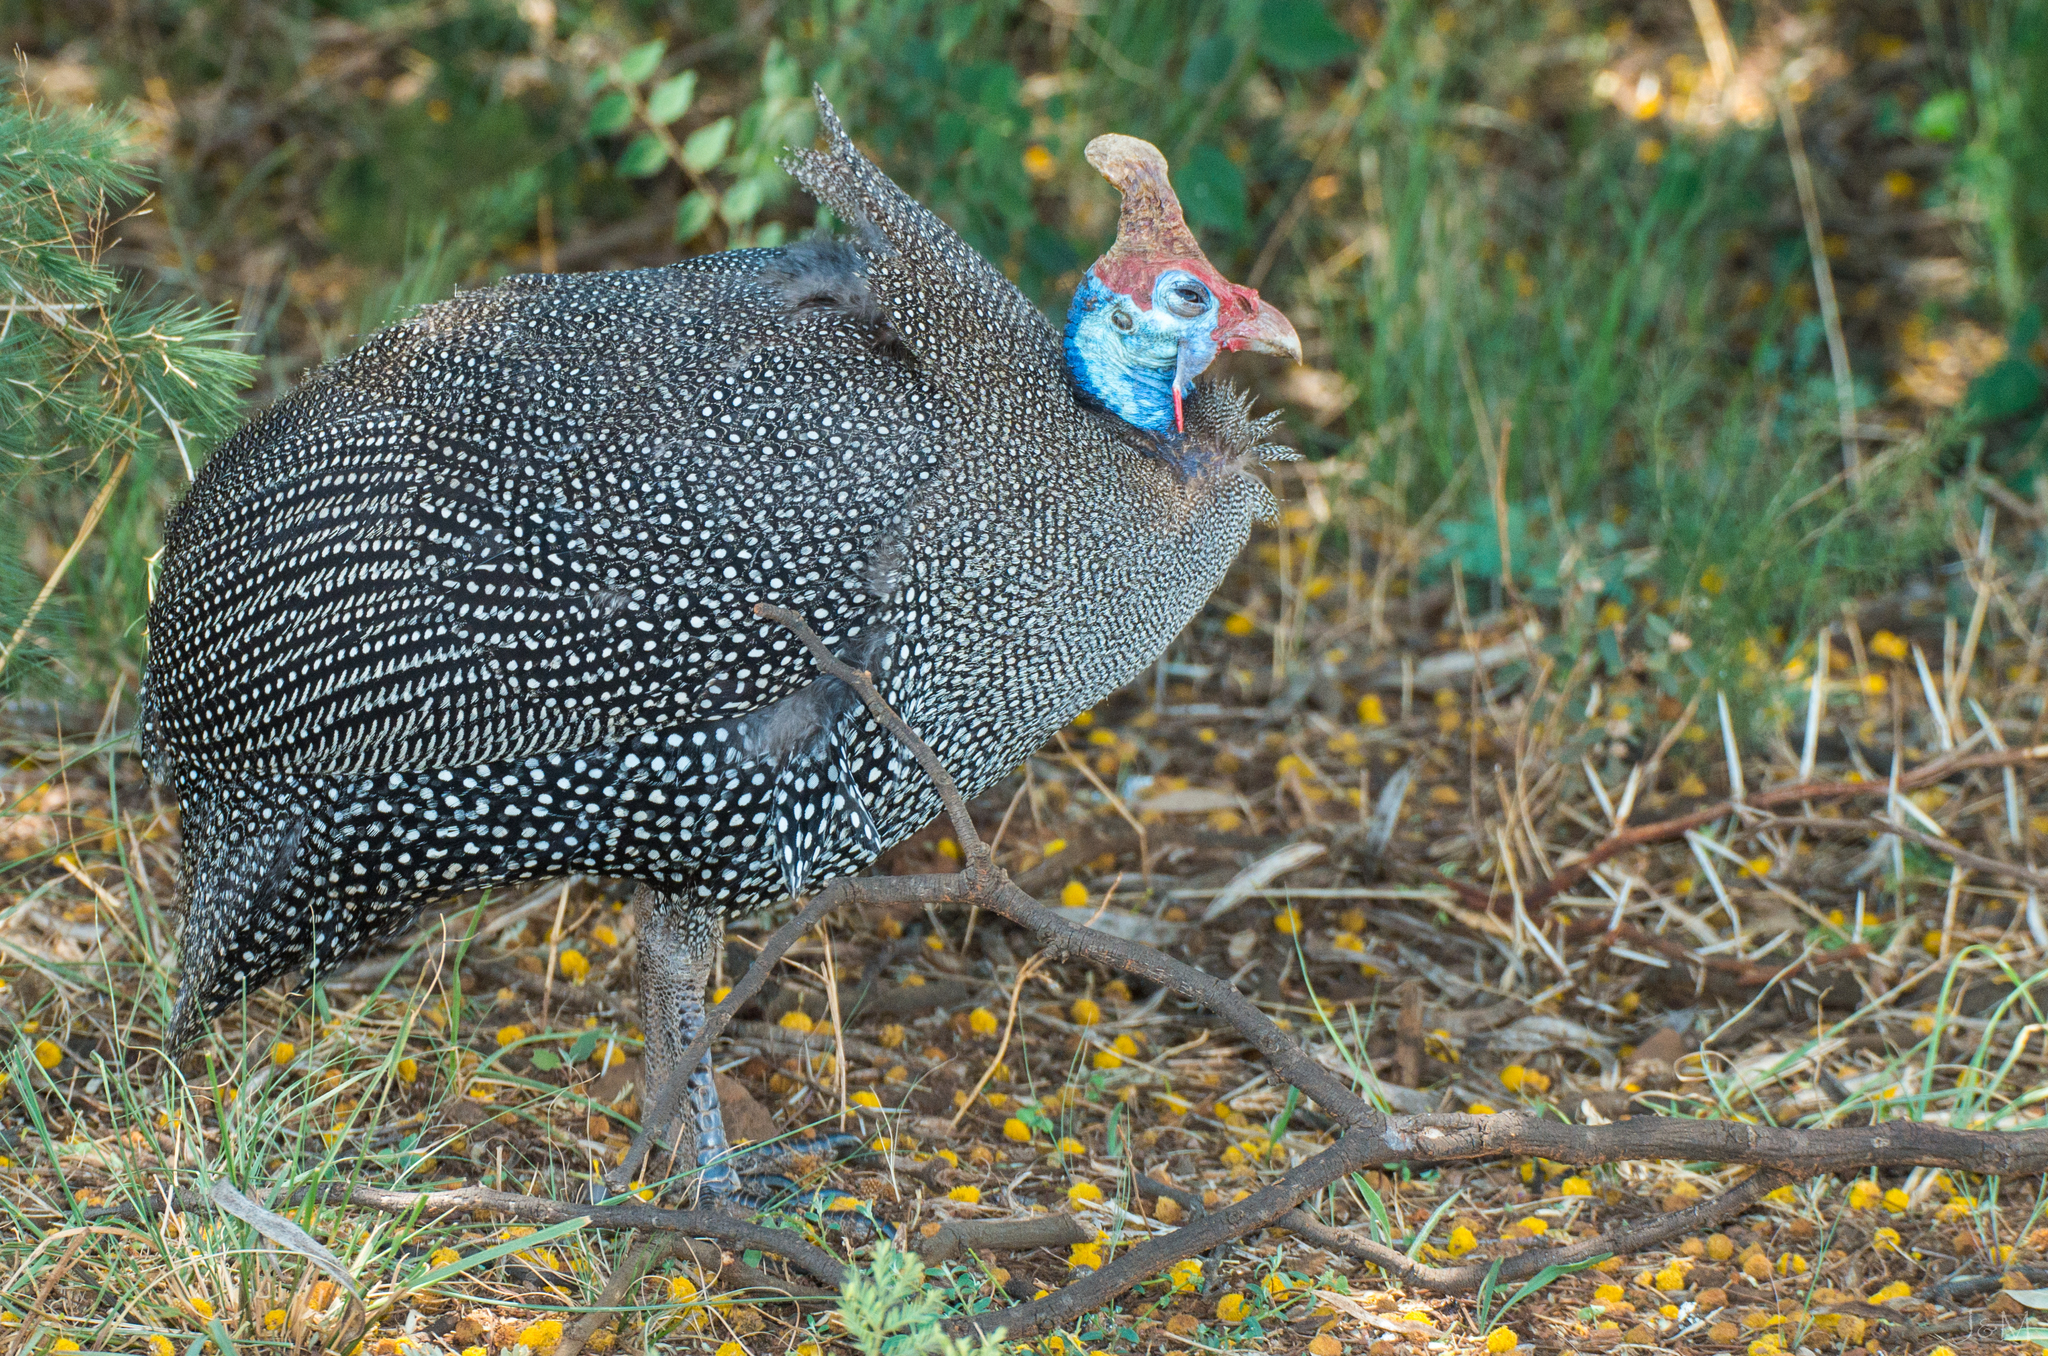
535 519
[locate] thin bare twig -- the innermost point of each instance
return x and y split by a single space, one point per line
1570 874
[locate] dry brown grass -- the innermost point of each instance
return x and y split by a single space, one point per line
506 1062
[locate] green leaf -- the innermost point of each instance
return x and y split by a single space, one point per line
1382 1231
671 98
1486 1294
494 1252
1297 35
705 147
609 114
742 200
693 214
1212 190
546 1060
1537 1282
1941 117
2011 388
1208 63
643 157
781 77
639 63
585 1044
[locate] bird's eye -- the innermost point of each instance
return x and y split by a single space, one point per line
1122 320
1187 300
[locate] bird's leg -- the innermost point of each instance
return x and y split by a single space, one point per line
678 947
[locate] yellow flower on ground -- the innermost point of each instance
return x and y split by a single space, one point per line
603 935
1237 624
1276 1286
1371 710
1670 1278
282 1052
1085 1012
1231 1308
682 1289
796 1019
1575 1186
1501 1340
1069 1145
1461 1241
1083 1191
408 1070
574 964
1074 894
64 1344
160 1345
1107 1059
510 1034
1016 1129
1287 922
1186 1275
868 1099
1865 1195
202 1306
1895 1290
1897 1201
966 1195
1885 645
982 1022
275 1320
1125 1045
731 1349
1478 1109
443 1257
49 1054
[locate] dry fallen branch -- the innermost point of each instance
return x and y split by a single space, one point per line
510 1205
1369 1138
1460 1280
954 1237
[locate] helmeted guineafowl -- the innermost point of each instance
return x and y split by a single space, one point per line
475 603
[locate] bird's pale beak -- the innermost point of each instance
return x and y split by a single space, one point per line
1264 331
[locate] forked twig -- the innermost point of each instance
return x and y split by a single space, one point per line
1370 1138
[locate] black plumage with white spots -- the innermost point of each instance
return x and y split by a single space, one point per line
475 604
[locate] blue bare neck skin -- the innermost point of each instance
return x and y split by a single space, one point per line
1132 378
